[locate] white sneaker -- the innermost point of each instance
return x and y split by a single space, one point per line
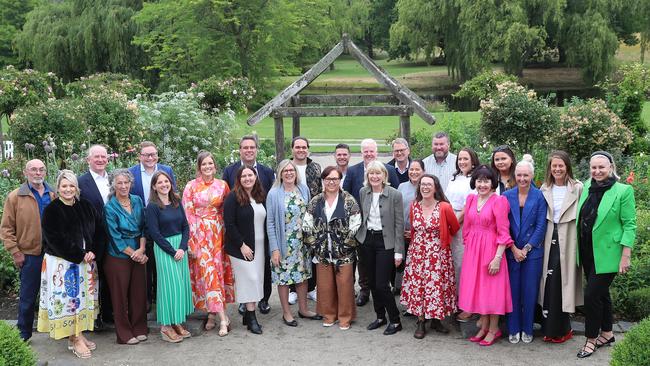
526 338
514 338
312 295
293 298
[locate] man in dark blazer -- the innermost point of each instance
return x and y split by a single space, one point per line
248 154
141 187
353 184
94 187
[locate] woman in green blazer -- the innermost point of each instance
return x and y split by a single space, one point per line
606 234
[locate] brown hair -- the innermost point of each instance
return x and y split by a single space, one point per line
144 144
439 194
562 155
199 160
508 151
242 196
328 170
473 158
174 200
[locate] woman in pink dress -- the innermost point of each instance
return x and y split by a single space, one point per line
428 289
484 285
210 270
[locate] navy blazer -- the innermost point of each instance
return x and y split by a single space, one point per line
264 174
355 177
90 192
136 187
530 228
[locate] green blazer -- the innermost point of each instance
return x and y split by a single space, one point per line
615 226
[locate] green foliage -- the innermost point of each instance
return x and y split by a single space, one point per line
640 304
516 116
218 95
105 118
626 96
180 128
637 277
24 87
633 350
103 82
12 18
637 174
483 85
74 38
587 124
9 276
13 351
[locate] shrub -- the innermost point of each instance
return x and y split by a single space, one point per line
105 82
181 128
588 125
633 350
483 85
13 351
24 87
218 95
637 277
636 174
9 275
516 116
640 304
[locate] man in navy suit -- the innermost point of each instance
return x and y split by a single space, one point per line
353 184
248 154
142 174
95 188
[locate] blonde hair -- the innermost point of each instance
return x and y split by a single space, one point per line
527 160
376 166
70 177
278 173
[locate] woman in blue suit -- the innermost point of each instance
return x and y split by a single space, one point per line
527 227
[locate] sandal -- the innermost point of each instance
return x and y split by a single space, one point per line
224 328
601 341
90 345
169 335
210 323
83 354
587 351
181 331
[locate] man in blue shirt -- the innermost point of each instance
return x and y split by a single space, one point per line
20 232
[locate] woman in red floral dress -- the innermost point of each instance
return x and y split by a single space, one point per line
429 290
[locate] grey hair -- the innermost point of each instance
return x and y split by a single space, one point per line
90 149
113 177
278 173
527 160
367 142
376 165
401 141
441 134
611 162
69 176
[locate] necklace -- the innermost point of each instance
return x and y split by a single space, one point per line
479 204
126 204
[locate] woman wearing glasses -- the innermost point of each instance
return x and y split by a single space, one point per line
331 221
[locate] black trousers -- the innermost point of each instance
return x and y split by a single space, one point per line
267 279
105 303
598 303
151 272
380 263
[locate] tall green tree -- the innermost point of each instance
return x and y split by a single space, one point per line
79 37
12 18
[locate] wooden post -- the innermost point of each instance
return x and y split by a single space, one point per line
279 138
405 127
295 126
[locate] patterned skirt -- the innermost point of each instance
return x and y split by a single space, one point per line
68 298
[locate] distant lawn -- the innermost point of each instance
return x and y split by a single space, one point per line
645 114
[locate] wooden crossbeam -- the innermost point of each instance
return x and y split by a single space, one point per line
398 110
347 99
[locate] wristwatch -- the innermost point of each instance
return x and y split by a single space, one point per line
528 248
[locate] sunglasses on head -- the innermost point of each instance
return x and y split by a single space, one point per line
501 148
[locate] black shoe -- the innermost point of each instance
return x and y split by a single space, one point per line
313 317
407 314
587 351
251 322
242 309
99 325
376 324
438 327
292 323
602 341
393 328
264 306
362 299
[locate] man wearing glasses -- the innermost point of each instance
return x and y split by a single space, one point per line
401 159
142 174
21 235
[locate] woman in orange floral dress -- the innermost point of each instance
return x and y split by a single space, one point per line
210 270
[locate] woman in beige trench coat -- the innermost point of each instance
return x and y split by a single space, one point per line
561 284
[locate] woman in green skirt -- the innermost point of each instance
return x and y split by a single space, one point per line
167 226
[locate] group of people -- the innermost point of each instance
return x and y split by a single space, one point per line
449 235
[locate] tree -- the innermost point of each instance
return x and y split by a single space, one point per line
74 38
12 18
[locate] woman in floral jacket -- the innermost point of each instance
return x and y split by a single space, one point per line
329 226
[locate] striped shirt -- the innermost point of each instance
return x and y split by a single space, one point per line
443 171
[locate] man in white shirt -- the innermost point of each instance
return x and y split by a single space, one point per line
441 162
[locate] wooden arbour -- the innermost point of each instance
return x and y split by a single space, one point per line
288 103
